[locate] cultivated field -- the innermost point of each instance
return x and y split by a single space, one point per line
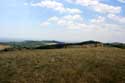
69 65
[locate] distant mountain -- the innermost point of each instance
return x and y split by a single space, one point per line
10 40
31 44
90 42
116 44
4 40
86 42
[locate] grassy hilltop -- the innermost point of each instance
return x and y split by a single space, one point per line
66 65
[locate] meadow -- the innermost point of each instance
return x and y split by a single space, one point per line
2 47
66 65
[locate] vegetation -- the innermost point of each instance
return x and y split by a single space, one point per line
2 46
66 65
56 44
29 44
118 45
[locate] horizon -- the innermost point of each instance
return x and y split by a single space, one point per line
23 40
63 20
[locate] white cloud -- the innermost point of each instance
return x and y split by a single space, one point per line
122 1
68 21
56 6
77 22
72 10
25 4
73 18
98 20
102 23
117 19
75 28
98 6
45 24
53 19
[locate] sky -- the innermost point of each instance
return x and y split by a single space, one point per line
63 20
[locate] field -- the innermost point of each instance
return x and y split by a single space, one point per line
2 47
67 65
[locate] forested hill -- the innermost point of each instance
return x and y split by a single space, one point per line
57 44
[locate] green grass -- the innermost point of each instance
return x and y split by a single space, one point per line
70 65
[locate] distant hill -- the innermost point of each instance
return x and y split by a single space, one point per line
31 44
11 40
85 43
56 44
118 45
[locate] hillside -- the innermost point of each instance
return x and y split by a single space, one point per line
57 44
3 46
69 65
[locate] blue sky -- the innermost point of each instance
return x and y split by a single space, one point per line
63 20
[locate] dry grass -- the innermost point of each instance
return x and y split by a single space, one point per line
2 47
71 65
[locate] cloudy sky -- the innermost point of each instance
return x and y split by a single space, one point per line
63 20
